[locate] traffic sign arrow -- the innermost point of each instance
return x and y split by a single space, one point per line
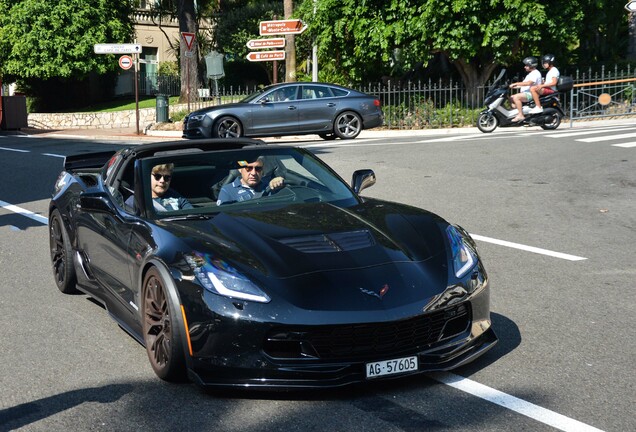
266 56
631 6
266 43
294 26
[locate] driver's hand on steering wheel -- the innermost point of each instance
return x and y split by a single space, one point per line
276 183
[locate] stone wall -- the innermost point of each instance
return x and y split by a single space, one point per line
102 120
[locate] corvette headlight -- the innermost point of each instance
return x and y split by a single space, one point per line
463 255
220 278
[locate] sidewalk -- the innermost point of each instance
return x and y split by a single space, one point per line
154 135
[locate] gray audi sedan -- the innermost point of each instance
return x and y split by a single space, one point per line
299 108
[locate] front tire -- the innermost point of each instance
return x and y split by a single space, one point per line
62 255
487 122
553 121
227 127
348 125
161 329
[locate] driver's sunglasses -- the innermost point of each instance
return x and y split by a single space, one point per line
167 177
257 168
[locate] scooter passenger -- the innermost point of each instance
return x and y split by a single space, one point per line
549 86
532 79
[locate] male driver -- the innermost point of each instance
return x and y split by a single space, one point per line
533 78
549 86
249 185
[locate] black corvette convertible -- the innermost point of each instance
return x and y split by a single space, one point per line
306 286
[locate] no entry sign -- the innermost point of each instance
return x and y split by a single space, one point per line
125 62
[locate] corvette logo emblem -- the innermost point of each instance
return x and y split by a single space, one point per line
378 294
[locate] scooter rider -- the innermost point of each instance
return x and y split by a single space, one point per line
549 86
533 78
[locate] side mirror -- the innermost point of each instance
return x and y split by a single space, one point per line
96 202
362 179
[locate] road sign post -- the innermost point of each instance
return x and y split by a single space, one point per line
266 56
117 48
188 38
125 62
266 43
281 27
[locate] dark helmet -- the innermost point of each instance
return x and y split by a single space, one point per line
548 58
531 61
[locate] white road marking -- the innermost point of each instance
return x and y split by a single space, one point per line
608 137
24 212
512 403
528 248
625 145
584 132
53 155
15 150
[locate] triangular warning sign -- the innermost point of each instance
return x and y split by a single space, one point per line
189 39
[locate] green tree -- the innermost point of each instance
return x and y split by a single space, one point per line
355 37
43 39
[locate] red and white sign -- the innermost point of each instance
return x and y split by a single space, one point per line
266 56
189 39
294 26
125 62
266 43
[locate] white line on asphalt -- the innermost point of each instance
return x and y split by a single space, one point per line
585 132
15 150
24 212
608 138
513 403
625 145
53 155
528 248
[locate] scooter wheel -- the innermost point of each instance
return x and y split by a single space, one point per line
487 122
552 121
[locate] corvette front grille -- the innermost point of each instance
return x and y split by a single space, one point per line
372 340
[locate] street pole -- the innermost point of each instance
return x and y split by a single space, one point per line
314 54
136 61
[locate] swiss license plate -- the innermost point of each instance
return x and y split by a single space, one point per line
391 367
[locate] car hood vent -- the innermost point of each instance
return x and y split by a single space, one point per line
332 242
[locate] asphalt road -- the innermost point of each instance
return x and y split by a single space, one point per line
555 219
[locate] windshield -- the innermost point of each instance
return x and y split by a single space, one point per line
205 183
254 96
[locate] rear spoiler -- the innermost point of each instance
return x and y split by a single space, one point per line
87 160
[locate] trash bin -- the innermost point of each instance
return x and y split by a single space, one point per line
162 108
14 112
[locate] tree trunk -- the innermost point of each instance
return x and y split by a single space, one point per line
474 78
290 46
188 58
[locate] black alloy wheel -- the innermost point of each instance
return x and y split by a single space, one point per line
348 125
61 255
227 127
161 330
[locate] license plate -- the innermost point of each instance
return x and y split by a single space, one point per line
391 367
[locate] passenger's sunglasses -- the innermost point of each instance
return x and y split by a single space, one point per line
249 168
167 177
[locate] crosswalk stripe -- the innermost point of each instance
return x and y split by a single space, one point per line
586 132
608 137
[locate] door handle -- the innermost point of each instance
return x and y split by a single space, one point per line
291 107
331 104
